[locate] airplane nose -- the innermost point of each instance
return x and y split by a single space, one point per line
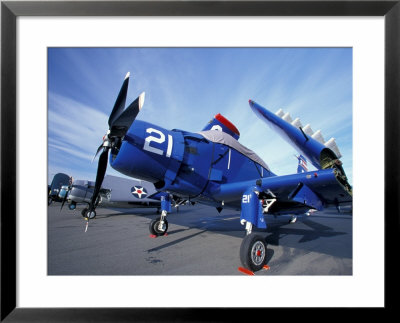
149 152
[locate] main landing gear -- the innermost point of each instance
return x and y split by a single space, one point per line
253 250
159 227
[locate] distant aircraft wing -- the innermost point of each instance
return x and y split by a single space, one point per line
156 195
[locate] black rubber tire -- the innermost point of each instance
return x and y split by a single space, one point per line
83 212
93 214
153 227
253 252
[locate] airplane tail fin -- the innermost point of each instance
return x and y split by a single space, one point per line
219 122
302 165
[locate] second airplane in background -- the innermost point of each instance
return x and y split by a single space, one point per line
115 192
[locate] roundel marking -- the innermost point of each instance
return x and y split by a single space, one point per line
139 192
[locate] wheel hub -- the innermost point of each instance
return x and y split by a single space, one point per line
161 226
91 214
258 253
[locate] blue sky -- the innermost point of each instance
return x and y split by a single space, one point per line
186 87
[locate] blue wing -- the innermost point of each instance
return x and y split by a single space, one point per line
309 144
316 190
294 193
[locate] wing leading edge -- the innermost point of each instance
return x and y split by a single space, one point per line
288 194
303 188
312 146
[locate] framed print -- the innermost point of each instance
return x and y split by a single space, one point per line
34 35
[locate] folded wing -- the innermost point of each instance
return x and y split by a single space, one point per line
310 144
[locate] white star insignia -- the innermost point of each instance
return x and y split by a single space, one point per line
139 191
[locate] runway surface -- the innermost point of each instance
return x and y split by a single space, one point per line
200 241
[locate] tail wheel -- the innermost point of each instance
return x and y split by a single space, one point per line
253 252
154 227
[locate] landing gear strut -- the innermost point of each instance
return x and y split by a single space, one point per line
159 227
253 249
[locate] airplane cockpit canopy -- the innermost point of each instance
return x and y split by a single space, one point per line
225 139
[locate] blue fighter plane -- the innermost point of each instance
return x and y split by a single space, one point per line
213 168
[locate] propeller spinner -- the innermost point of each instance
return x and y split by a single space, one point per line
119 122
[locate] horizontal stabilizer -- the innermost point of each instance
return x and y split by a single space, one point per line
311 145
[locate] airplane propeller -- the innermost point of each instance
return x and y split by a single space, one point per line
119 122
67 192
64 199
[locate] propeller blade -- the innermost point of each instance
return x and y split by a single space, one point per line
97 152
63 202
65 198
101 170
119 104
121 124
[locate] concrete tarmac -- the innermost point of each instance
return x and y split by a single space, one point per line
200 241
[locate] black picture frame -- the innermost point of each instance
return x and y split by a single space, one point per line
10 10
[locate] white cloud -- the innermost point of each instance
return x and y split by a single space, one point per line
74 133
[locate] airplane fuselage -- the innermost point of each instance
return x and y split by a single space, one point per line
189 165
